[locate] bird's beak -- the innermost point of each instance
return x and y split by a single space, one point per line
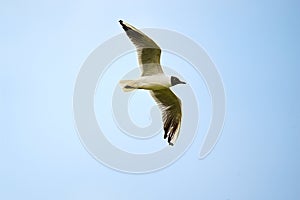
181 82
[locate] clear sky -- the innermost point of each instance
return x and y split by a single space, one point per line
255 46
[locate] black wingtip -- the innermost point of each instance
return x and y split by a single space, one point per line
123 25
166 132
169 141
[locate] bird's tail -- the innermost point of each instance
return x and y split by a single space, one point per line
128 85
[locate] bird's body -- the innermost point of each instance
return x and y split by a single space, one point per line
155 82
154 79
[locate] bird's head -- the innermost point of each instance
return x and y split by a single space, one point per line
175 81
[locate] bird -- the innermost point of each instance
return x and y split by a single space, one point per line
153 79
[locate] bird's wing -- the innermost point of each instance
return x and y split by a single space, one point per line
170 106
148 51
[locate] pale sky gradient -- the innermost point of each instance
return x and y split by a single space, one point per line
255 46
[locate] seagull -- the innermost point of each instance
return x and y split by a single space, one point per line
153 79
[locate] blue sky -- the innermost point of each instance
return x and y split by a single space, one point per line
255 46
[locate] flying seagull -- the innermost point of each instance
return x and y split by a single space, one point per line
154 80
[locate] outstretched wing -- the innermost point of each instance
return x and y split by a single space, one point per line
170 106
148 51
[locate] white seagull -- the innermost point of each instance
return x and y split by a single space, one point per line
154 80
